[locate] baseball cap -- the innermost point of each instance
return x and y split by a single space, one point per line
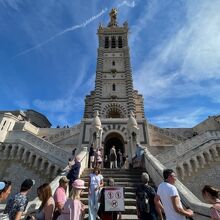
63 180
2 185
27 184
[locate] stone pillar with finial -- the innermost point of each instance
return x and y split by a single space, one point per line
96 130
133 134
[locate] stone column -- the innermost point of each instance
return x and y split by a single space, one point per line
97 128
132 129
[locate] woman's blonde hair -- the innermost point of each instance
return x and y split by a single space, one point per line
75 193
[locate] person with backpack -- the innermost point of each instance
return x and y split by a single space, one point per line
145 194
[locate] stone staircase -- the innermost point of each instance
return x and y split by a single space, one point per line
129 179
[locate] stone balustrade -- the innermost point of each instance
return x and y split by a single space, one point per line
193 154
196 141
30 157
155 170
34 204
63 133
39 145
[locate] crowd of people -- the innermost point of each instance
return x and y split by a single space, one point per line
165 202
66 204
113 160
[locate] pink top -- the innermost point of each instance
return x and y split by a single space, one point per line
99 156
72 210
215 211
60 195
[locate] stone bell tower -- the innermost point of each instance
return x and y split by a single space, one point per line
114 111
114 96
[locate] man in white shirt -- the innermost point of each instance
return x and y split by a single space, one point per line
167 193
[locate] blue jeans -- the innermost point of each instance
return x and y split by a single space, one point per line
93 204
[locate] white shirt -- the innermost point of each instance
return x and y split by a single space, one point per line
166 191
95 180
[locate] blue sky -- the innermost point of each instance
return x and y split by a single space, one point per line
48 52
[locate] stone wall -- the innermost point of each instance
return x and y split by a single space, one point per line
158 139
208 175
207 125
185 132
16 172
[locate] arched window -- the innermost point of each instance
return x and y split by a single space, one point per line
106 42
119 42
113 87
113 63
113 42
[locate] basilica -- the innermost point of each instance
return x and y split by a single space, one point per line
113 115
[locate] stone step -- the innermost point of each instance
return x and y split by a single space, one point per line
128 210
123 216
116 171
129 179
124 184
127 195
117 179
127 201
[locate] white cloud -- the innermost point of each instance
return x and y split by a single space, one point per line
72 28
179 118
22 104
193 51
13 4
150 8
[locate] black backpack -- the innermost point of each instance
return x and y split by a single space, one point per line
143 202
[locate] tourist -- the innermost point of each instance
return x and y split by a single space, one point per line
145 194
211 195
17 204
106 163
46 209
69 165
74 209
73 174
106 215
5 190
95 184
126 162
60 196
123 159
139 151
119 158
167 193
91 161
98 158
113 157
73 153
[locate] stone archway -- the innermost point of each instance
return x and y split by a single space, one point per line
113 139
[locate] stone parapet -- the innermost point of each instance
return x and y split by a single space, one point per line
167 133
155 170
60 133
51 151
